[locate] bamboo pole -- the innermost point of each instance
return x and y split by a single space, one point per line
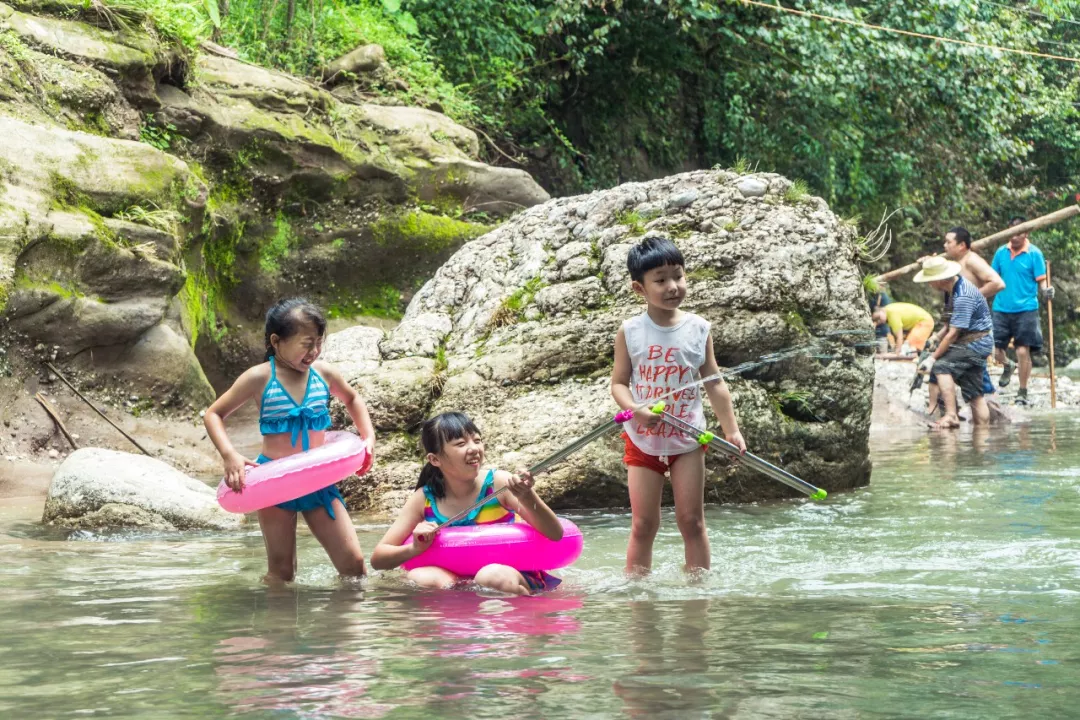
1050 321
1036 224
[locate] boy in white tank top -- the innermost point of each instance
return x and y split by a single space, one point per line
655 352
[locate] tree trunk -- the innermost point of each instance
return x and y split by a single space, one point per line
290 15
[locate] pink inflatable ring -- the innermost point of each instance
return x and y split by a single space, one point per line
464 550
288 478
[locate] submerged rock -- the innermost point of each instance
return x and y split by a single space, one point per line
98 488
517 330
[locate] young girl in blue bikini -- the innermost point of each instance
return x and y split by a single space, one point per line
450 482
294 335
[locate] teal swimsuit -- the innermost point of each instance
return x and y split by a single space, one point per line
280 413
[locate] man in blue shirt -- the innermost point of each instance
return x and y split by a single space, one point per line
960 357
1016 308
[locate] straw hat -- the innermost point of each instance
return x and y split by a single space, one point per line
937 268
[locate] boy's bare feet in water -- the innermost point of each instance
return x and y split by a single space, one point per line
949 422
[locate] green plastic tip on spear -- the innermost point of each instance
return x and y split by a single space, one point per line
658 407
819 495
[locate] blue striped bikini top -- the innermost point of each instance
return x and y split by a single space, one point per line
280 413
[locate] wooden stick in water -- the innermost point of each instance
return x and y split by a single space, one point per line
1050 320
56 419
94 408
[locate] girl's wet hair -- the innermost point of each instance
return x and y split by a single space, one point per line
287 318
436 433
651 253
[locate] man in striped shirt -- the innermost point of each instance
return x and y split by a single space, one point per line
960 358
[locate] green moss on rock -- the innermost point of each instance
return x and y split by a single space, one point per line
379 300
201 302
278 246
419 230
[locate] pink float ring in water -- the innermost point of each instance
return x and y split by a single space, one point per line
464 550
288 478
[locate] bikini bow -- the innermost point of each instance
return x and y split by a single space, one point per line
300 418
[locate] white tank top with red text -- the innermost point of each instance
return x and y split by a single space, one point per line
664 358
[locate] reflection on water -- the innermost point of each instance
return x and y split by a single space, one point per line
947 588
668 644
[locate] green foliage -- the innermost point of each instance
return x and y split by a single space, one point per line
11 43
797 192
324 30
441 363
511 309
870 284
795 405
185 22
155 217
635 220
161 135
607 91
741 166
438 376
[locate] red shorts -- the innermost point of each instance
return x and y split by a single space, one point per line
634 457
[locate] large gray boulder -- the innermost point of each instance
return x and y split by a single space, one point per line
98 488
517 330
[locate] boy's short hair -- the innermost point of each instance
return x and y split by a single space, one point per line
651 253
961 235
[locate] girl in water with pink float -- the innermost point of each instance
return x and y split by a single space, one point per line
295 329
450 482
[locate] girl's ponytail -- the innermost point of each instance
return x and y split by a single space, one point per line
432 478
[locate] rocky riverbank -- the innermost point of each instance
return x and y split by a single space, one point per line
896 406
154 201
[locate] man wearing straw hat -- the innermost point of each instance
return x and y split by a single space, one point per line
978 272
960 357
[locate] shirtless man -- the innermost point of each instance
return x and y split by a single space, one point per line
972 267
977 272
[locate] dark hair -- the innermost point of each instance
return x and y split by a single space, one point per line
1016 220
285 318
651 253
434 436
962 235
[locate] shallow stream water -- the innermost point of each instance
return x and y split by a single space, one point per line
950 587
